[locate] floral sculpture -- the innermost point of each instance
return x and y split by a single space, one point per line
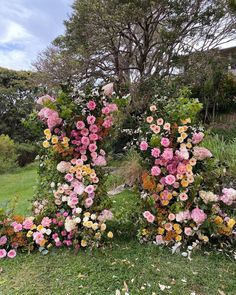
178 206
70 207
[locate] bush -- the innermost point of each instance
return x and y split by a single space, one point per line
26 153
8 155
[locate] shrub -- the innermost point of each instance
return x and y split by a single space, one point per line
8 155
26 153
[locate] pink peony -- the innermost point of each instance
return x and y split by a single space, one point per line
143 146
155 152
63 166
229 196
46 222
201 153
155 171
11 254
108 89
170 179
100 161
45 98
197 137
3 253
165 142
91 105
198 215
167 154
182 216
28 223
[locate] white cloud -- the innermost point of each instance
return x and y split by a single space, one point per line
27 27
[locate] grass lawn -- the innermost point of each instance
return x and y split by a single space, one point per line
18 185
103 271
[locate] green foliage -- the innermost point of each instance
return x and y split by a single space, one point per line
8 155
17 96
223 151
26 153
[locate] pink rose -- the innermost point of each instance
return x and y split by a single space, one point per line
160 121
170 179
188 231
93 128
3 253
3 240
92 147
69 177
143 146
171 216
183 197
165 142
91 120
155 171
166 126
80 125
88 202
159 239
91 105
149 119
198 215
168 226
153 108
85 140
18 227
108 89
197 137
89 189
182 216
11 254
149 216
155 152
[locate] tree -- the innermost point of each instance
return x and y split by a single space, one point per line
17 99
131 41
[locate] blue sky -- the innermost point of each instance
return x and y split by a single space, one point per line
27 27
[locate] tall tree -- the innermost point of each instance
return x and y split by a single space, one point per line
129 41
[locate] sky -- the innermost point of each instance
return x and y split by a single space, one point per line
28 27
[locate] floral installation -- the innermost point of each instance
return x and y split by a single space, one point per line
71 206
179 209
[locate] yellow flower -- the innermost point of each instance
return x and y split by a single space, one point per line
48 137
186 121
180 139
189 168
47 132
178 238
40 227
65 139
176 226
179 231
110 235
218 220
165 202
189 145
89 224
87 214
54 139
180 129
84 243
65 144
160 230
103 226
231 223
46 144
33 227
184 183
184 135
95 226
29 234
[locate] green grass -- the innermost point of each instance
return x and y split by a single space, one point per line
103 271
18 185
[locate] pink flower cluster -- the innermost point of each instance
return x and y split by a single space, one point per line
50 117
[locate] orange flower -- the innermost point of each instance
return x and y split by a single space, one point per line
148 181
